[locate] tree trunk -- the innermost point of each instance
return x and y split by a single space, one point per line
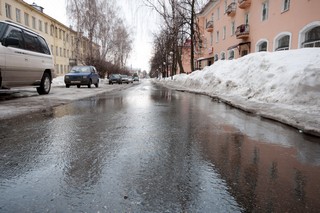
192 35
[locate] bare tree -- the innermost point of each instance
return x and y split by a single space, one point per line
98 20
179 17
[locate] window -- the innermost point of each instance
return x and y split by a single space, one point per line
16 33
283 43
231 55
57 51
233 28
264 11
217 37
52 49
33 22
223 56
31 42
286 5
312 37
8 10
44 46
51 30
40 25
46 27
224 33
18 15
211 38
218 13
244 52
216 57
56 31
61 51
26 19
246 18
262 46
225 6
57 68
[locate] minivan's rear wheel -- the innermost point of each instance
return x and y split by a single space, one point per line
45 84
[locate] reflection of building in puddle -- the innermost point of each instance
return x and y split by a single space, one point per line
263 177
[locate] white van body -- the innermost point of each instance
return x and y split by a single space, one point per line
25 58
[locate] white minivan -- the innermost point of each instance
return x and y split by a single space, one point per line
25 58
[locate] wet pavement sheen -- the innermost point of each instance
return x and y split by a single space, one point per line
150 149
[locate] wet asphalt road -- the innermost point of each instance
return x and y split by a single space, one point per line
150 149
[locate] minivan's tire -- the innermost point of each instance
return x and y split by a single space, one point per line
45 84
68 85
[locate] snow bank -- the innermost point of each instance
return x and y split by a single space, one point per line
286 81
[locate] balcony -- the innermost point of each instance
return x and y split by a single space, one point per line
243 4
243 31
231 10
209 26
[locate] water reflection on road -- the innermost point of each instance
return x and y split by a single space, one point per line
149 149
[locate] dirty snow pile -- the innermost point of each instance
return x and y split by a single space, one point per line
282 85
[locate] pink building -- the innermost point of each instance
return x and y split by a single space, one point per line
234 28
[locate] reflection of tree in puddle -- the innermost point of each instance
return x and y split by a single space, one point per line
299 186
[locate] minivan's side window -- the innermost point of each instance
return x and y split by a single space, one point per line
31 43
15 33
44 46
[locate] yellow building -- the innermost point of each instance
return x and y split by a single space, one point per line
61 39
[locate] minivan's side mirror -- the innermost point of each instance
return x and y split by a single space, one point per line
10 42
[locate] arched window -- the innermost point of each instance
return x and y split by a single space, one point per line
282 42
223 56
231 54
312 37
263 46
216 57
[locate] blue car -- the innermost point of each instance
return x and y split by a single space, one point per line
82 75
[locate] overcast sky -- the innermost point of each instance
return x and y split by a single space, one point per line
141 21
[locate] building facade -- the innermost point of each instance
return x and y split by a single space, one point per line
61 39
233 28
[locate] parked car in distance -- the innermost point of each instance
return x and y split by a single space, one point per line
124 79
25 58
115 78
82 75
130 79
135 78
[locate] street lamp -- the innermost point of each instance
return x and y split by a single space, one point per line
166 71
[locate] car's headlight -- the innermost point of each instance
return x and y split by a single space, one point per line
66 77
84 77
